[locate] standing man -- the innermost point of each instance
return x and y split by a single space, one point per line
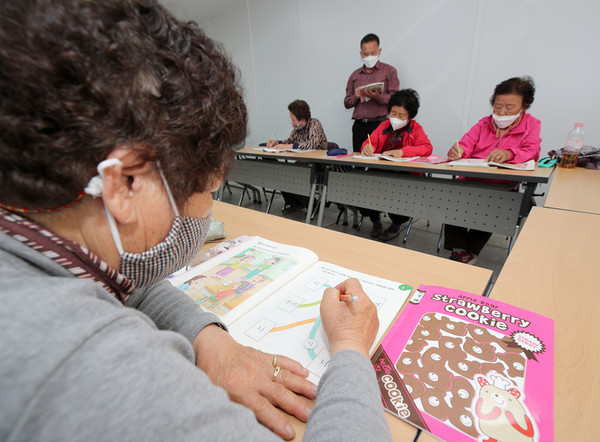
370 105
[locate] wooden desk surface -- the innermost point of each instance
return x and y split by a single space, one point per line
575 189
379 259
539 175
558 275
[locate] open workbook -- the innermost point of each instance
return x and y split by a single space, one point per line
379 156
478 162
468 368
269 296
271 149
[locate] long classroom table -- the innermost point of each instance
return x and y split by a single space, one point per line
360 254
554 270
430 195
575 189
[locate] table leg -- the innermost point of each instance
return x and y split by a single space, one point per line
322 208
311 201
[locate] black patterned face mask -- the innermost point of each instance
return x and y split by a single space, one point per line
183 242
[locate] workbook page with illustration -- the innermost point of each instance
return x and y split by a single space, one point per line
269 296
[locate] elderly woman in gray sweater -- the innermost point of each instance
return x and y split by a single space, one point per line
116 123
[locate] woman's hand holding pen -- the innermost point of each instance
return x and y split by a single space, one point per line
456 152
368 150
272 143
349 318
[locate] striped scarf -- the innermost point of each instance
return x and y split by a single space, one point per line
75 258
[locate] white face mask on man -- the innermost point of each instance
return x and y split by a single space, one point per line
503 121
370 61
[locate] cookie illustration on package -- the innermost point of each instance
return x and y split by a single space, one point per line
493 367
415 387
484 352
436 377
441 362
433 358
462 393
515 363
464 367
415 344
434 403
428 329
450 348
408 363
463 420
452 327
480 334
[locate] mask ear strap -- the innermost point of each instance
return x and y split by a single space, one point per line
167 188
95 188
111 219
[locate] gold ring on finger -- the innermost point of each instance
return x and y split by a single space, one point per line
276 372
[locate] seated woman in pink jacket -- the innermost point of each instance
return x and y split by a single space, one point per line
509 135
400 136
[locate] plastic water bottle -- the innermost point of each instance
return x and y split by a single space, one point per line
573 147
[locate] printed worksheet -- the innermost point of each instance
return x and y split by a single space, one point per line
289 321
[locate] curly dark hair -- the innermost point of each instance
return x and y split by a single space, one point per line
408 99
81 77
300 109
523 86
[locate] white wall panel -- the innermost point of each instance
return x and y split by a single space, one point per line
453 52
557 44
332 31
430 45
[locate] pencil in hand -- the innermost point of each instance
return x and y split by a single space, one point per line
348 298
454 152
369 151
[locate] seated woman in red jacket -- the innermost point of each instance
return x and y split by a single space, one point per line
400 136
509 134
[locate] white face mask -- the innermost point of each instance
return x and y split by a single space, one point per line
183 242
397 123
370 61
503 121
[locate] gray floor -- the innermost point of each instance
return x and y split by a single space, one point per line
423 236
